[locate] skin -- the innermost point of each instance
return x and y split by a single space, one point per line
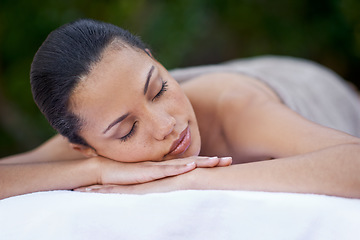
117 82
272 147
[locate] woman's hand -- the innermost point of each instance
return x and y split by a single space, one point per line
114 176
114 172
179 182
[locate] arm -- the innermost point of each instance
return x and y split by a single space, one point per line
309 158
16 179
21 178
56 166
55 149
329 171
46 168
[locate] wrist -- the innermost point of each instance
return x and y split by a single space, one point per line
94 169
208 178
193 180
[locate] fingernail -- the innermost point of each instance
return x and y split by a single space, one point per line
226 158
190 164
212 158
89 189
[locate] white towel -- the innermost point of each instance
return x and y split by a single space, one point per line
313 91
179 215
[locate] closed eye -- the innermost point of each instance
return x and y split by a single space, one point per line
130 134
164 87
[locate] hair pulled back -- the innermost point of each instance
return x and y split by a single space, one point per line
67 55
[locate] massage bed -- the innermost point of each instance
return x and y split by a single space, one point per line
200 214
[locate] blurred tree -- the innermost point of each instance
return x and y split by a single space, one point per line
181 33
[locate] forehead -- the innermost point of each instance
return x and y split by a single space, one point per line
120 63
117 68
116 81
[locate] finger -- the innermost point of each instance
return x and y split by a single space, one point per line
135 173
87 188
225 161
177 160
201 161
207 162
109 189
204 162
213 162
95 188
162 171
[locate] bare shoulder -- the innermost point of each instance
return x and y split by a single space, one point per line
219 101
241 117
222 85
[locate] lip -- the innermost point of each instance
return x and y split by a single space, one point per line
180 145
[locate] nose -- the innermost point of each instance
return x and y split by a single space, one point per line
162 125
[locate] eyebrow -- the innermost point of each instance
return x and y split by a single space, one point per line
116 122
148 79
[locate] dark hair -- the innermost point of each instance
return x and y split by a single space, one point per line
67 54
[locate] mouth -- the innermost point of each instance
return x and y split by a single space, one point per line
181 144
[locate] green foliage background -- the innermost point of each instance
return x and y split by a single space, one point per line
180 33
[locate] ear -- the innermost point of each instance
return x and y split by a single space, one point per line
86 151
148 52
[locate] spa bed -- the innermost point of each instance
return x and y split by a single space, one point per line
210 214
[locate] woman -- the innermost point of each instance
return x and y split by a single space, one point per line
133 129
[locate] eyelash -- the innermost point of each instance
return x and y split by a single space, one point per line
162 90
129 135
132 131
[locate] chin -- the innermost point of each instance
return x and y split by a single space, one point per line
194 149
197 151
196 144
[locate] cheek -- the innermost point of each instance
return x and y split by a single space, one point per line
138 151
178 100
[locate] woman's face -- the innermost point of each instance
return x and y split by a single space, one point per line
133 110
